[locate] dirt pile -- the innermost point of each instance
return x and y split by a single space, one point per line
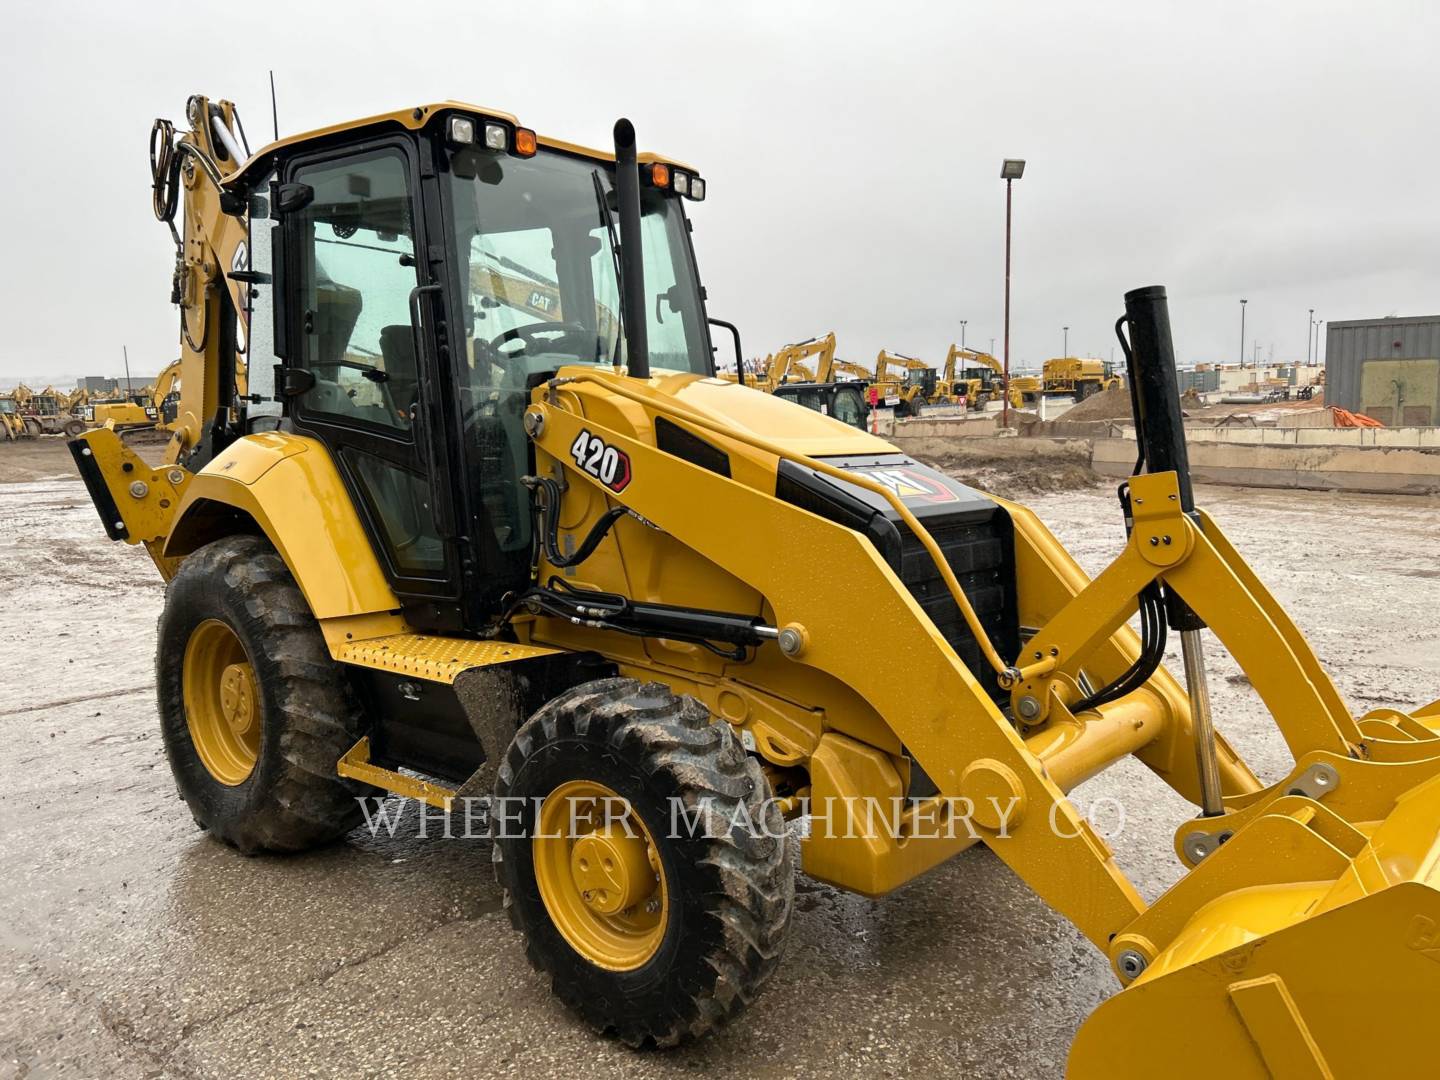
1011 466
1106 405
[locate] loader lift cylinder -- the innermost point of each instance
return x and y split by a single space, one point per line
1160 429
632 257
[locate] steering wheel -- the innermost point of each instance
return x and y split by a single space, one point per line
547 337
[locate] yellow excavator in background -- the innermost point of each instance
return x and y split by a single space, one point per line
906 393
830 366
788 364
535 295
146 408
520 563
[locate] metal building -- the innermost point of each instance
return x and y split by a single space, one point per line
1385 368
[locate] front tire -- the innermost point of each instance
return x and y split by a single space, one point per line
687 924
253 711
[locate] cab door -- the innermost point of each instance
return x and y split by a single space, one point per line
359 368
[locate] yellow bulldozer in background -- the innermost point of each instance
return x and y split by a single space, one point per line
518 559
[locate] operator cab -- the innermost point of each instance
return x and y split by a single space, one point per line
425 277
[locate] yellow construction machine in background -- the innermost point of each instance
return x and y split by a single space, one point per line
908 389
145 408
977 375
28 414
450 558
1079 377
12 424
789 363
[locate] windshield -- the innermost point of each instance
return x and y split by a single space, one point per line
536 253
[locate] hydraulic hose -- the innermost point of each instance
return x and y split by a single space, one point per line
1153 636
546 511
164 171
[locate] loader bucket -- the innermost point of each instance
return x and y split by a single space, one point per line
1338 976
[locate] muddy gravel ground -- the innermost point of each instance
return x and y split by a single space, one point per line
131 945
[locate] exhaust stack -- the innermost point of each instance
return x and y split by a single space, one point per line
632 258
1160 429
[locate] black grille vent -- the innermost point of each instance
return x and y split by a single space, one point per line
980 551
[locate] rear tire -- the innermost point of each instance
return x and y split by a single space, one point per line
712 922
253 711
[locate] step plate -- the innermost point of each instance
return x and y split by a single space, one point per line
432 658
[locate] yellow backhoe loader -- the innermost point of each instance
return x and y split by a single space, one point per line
906 393
981 379
455 559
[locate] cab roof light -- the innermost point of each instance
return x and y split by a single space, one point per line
461 130
496 137
525 144
680 182
660 175
697 189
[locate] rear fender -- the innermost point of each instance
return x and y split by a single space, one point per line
287 488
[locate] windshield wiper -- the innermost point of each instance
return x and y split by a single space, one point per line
609 222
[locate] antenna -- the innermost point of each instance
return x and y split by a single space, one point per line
128 391
274 111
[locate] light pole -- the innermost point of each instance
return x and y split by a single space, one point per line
1011 169
1318 324
1242 333
1065 342
962 333
1309 333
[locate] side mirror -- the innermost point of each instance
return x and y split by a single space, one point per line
671 296
739 355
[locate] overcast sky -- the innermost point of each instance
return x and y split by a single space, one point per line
1282 152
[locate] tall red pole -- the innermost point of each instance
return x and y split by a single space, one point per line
1005 393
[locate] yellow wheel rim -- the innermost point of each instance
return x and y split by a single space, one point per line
221 705
600 876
